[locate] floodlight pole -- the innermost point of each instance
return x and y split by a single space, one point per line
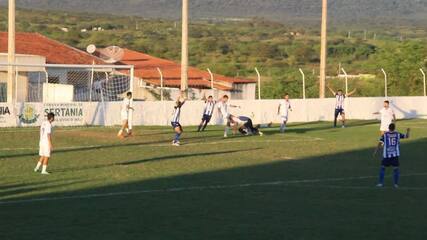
212 81
385 82
323 49
161 83
184 48
11 52
259 83
424 81
346 81
303 82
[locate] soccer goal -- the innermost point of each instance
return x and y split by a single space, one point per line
51 83
77 94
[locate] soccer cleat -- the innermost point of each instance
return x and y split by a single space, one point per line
176 144
396 186
36 169
225 135
380 185
343 126
261 134
45 173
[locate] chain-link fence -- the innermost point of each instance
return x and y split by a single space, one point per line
66 83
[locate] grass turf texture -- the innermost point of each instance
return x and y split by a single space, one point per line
313 182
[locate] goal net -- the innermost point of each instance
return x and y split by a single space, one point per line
50 83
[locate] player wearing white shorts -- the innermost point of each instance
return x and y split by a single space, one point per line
387 117
283 112
125 115
223 108
45 144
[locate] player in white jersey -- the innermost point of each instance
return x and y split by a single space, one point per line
45 144
339 105
175 120
244 125
387 117
125 115
207 113
283 112
223 107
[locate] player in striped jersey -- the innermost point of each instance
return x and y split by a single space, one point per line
339 105
244 125
390 142
207 113
175 121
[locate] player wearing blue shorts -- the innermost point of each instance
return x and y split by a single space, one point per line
207 113
390 142
175 121
339 105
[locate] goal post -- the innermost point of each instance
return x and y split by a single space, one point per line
77 94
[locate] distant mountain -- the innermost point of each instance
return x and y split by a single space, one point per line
341 11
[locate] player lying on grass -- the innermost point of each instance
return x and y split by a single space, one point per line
339 105
207 113
387 117
175 120
390 142
244 125
223 108
45 144
283 112
125 115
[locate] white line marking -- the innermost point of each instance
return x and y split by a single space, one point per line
203 188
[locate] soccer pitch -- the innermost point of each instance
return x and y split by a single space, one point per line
313 182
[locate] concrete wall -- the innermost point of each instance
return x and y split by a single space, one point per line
159 113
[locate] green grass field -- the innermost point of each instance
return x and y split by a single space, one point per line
313 182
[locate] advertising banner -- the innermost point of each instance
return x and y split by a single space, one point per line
66 114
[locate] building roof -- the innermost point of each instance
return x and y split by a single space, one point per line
55 52
146 69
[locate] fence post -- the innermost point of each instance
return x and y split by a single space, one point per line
346 81
212 81
424 80
385 82
259 83
303 82
161 83
91 81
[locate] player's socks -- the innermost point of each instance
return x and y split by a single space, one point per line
396 176
226 132
381 177
282 128
39 164
120 133
204 126
44 169
177 136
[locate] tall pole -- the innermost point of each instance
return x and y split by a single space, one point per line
424 81
303 82
323 49
385 82
184 49
259 83
11 52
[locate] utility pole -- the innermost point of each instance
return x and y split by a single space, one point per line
11 53
323 49
184 48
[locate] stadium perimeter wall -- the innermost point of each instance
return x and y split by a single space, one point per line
158 113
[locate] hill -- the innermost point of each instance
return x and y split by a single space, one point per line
341 11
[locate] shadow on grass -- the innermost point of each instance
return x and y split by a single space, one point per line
282 199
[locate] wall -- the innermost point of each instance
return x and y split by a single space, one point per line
159 113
